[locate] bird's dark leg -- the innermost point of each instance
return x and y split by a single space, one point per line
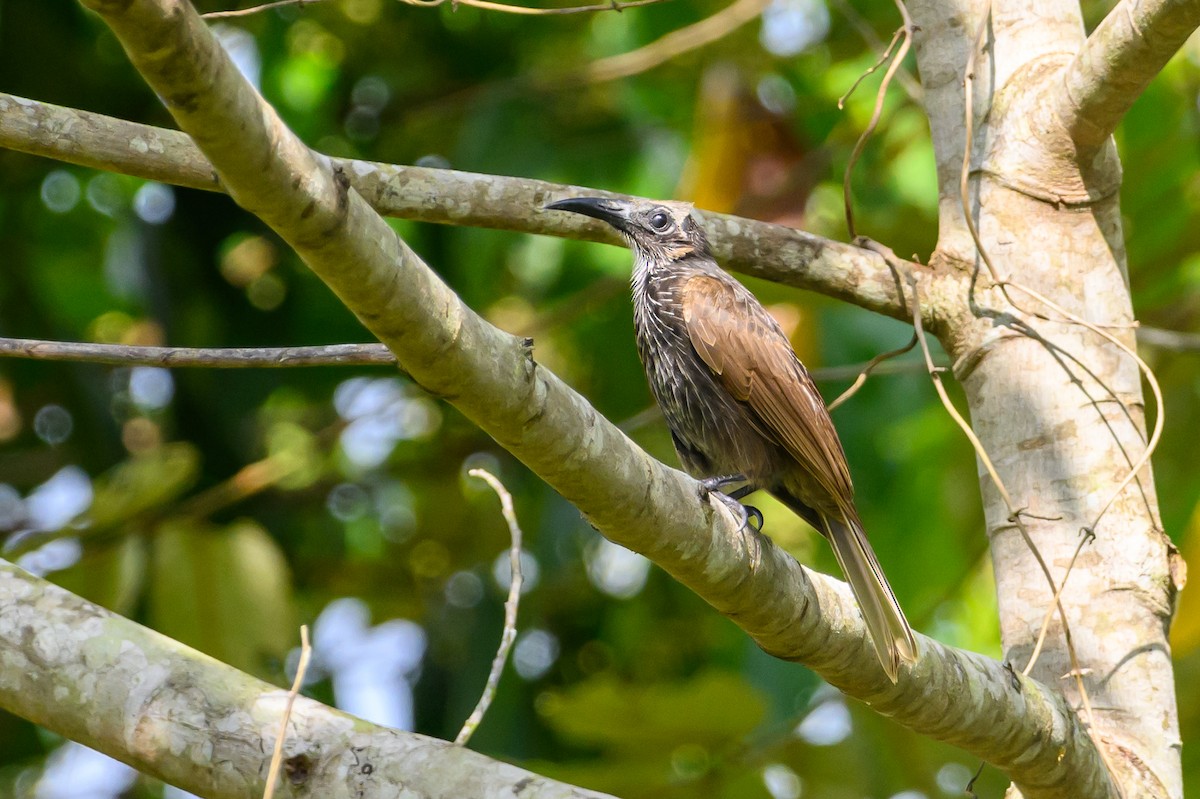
743 513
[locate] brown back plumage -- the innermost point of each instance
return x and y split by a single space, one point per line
743 344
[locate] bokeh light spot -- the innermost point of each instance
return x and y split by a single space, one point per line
53 424
464 589
61 191
781 781
535 653
828 724
154 203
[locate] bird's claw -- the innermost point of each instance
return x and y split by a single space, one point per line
710 487
743 513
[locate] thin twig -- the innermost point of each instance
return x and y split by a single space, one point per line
217 358
1085 538
860 24
510 607
853 370
277 754
484 4
905 32
325 355
964 177
871 70
675 43
870 367
245 12
1173 340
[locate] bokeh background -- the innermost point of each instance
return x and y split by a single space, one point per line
225 508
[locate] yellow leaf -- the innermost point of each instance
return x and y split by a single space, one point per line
1185 631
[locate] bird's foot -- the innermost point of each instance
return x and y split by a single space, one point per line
711 486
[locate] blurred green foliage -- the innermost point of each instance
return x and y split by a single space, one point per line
226 507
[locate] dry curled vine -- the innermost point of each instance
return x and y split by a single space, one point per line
511 605
903 36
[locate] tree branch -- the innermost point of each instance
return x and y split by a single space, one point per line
446 196
484 4
172 712
1124 53
211 358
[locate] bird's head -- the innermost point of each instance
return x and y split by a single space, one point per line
658 230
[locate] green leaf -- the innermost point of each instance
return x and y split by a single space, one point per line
111 575
712 708
142 483
224 590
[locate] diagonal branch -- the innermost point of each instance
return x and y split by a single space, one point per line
446 196
1016 723
1128 48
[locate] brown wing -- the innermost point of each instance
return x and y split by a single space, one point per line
745 347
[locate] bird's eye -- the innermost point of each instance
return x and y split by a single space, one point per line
660 221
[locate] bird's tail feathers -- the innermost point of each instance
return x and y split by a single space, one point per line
892 637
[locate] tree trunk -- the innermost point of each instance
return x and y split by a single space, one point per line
1057 406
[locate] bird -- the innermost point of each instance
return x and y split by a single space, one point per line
741 408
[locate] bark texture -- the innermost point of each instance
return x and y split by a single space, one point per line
1059 408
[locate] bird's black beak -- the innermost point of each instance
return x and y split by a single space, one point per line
613 212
